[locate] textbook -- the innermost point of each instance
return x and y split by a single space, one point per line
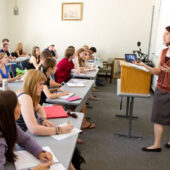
26 160
55 112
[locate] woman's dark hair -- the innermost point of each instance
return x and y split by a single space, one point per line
48 63
34 53
69 52
46 54
168 28
93 49
8 103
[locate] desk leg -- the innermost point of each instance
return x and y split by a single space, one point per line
130 123
127 109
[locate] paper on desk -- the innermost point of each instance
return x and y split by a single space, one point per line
75 84
139 67
57 166
26 160
63 136
67 96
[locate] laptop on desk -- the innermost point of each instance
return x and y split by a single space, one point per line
130 57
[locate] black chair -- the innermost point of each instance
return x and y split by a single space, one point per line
24 64
13 69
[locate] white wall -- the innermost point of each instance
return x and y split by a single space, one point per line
162 15
3 19
113 26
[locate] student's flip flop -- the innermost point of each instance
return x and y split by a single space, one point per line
90 126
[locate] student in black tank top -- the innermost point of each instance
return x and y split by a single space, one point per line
48 68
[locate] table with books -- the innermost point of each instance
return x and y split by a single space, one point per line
62 148
79 89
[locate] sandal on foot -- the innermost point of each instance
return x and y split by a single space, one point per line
90 126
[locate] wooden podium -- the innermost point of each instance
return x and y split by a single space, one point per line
134 80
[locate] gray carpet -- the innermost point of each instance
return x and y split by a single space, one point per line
105 151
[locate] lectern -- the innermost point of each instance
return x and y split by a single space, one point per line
134 82
134 79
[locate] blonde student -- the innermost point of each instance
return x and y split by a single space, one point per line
4 70
20 51
29 98
10 134
49 68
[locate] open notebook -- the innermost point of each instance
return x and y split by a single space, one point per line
26 160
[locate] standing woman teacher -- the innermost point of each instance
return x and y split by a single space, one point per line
161 104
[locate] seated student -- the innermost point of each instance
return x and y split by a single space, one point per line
63 73
52 50
49 68
29 98
43 56
35 58
65 66
10 134
5 41
19 52
4 70
5 50
92 50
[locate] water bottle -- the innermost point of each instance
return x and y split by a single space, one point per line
5 84
95 59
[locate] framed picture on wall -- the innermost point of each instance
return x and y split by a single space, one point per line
72 11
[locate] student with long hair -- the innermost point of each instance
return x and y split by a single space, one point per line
35 58
63 73
10 133
19 51
49 68
161 103
43 56
29 99
4 70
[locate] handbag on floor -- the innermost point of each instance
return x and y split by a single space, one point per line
77 159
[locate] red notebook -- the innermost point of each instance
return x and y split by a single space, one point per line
55 112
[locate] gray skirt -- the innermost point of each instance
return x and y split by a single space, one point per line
161 107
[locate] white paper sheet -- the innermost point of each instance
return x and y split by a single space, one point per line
57 166
64 136
27 160
139 67
67 96
75 84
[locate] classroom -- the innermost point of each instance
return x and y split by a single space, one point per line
84 85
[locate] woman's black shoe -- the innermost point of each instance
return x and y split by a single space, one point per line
151 150
167 145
